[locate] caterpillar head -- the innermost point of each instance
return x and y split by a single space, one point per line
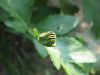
48 38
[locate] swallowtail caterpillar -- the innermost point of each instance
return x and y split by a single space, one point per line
46 38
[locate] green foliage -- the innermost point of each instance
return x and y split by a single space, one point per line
73 69
70 5
61 25
41 49
20 12
69 50
32 17
91 10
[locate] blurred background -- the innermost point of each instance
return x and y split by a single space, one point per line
20 51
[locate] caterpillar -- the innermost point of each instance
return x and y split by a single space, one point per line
48 38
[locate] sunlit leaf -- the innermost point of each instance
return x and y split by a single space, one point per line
55 56
73 69
83 57
69 50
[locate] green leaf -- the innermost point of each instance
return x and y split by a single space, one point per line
83 57
55 56
73 2
4 15
42 12
73 51
20 11
41 49
69 50
59 24
17 24
87 10
69 6
91 11
96 17
73 69
88 67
